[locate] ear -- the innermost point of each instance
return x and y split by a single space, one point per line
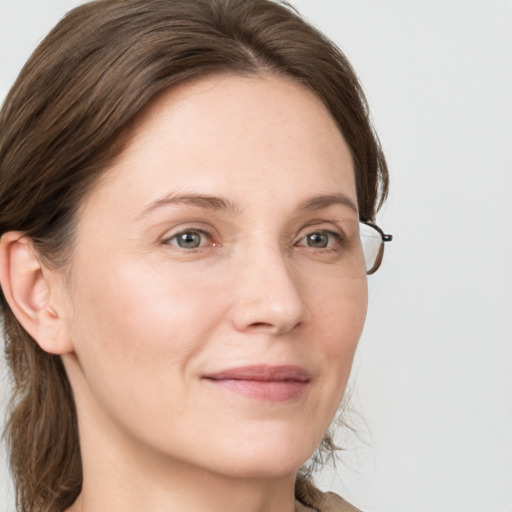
32 293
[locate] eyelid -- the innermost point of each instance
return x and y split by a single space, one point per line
337 236
170 234
331 225
341 229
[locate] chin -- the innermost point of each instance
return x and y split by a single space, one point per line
266 457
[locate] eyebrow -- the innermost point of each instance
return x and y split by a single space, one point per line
326 200
225 205
199 200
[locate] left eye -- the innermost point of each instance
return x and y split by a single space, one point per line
319 240
190 239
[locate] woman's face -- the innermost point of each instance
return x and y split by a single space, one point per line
216 296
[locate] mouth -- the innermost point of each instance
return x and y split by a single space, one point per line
263 382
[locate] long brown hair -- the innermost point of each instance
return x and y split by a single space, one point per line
68 116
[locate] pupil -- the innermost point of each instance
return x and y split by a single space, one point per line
318 240
189 240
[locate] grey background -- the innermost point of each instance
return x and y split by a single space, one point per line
432 383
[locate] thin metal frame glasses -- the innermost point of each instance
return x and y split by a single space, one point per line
373 240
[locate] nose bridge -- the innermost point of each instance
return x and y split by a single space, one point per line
270 294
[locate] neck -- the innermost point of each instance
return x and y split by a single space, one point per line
190 490
120 476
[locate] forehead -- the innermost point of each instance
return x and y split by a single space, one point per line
229 134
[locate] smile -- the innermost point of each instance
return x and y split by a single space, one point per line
263 382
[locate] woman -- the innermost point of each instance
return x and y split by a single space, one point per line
183 278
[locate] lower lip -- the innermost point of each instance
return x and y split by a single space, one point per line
267 391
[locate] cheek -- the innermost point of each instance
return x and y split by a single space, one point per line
135 331
342 312
144 305
340 321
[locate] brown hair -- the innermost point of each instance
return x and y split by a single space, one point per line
67 117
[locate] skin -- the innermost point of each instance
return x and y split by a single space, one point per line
141 320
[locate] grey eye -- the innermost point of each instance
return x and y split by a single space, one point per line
324 239
318 240
188 239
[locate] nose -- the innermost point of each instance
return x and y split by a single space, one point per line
269 297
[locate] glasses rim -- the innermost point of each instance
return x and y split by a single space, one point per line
385 238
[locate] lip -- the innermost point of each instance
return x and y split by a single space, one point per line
263 382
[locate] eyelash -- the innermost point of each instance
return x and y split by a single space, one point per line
338 240
203 232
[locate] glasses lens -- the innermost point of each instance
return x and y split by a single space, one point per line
373 247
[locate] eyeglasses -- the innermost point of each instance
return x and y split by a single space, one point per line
355 251
372 241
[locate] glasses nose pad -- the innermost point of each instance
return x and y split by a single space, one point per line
378 260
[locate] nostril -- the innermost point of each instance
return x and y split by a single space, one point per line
269 302
269 326
261 325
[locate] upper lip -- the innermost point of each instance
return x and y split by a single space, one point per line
262 372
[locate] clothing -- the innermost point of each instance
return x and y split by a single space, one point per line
311 499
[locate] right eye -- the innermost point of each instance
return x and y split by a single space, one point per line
323 239
190 239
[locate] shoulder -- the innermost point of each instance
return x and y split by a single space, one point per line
312 499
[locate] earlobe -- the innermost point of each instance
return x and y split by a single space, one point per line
28 291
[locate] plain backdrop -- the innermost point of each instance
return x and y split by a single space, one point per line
432 383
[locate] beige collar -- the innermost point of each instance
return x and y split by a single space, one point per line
300 507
